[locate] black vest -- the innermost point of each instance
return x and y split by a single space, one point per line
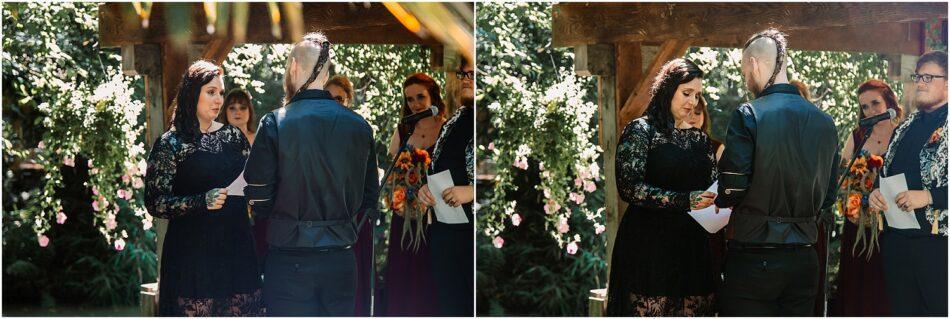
793 169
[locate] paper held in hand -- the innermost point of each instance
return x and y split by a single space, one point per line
438 183
708 218
896 218
237 186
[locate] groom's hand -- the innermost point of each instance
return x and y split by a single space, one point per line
426 195
215 198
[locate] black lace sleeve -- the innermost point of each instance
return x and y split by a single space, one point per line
160 175
631 167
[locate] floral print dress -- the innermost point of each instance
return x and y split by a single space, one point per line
208 263
661 264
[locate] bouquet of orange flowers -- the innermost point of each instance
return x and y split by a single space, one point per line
858 184
404 183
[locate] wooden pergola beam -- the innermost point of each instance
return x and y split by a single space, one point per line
581 23
895 38
343 23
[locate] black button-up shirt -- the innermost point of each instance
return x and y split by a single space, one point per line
311 169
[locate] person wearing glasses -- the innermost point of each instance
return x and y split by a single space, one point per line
915 260
452 245
341 89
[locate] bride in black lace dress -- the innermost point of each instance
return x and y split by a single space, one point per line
661 259
208 263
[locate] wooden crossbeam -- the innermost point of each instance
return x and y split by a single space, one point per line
343 23
583 23
636 103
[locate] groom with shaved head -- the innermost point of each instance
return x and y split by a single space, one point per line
777 173
311 169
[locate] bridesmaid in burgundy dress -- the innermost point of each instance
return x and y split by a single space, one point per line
409 287
861 280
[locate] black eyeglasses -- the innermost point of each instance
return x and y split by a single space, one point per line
927 78
465 75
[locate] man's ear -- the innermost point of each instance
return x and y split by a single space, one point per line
754 64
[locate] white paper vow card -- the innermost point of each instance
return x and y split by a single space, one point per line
237 186
708 218
890 187
438 183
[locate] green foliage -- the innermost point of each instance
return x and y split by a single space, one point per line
539 250
72 139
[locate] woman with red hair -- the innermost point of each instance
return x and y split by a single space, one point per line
860 275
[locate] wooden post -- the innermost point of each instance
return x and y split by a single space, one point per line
907 65
450 62
145 60
599 60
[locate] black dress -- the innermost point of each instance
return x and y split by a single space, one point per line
661 263
209 266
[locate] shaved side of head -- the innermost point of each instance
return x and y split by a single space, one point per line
763 50
306 55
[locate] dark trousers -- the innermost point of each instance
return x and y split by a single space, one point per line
310 283
915 274
769 282
452 254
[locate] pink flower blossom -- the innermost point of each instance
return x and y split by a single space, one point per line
541 166
120 193
120 244
577 198
551 207
521 163
146 224
589 186
41 145
498 241
69 161
60 218
572 248
547 193
44 241
562 226
515 219
95 205
137 183
598 229
95 191
578 182
491 146
111 223
126 179
89 163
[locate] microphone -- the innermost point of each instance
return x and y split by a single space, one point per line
412 119
877 118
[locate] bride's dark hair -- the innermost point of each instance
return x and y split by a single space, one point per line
185 112
671 75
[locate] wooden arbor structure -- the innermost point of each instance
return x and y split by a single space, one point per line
625 44
159 41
